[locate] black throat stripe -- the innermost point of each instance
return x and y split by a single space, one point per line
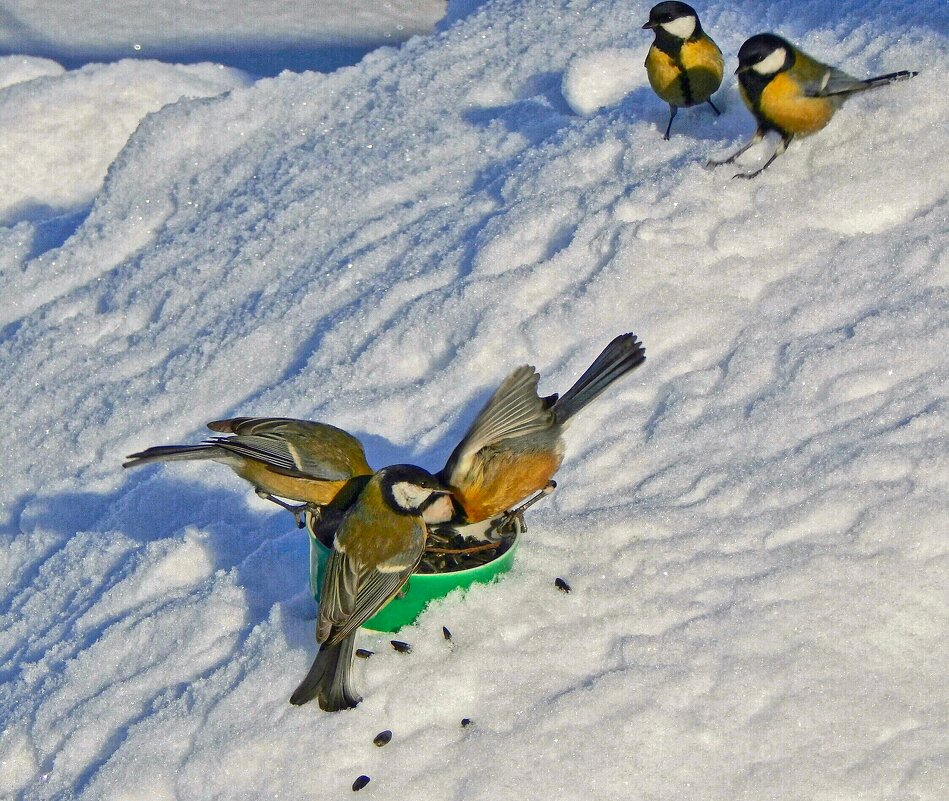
672 47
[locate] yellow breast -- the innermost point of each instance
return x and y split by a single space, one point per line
664 75
705 67
792 112
695 81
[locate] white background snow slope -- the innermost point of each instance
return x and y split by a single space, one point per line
754 523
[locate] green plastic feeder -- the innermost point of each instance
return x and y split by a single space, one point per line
418 590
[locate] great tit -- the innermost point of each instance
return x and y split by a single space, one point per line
379 540
283 458
514 445
684 65
791 93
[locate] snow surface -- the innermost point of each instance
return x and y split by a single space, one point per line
754 524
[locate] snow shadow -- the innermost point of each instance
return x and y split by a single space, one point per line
260 58
51 226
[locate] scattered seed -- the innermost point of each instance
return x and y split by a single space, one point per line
446 633
401 647
362 653
562 585
465 722
382 738
361 782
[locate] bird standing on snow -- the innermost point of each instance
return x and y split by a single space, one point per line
378 544
791 93
684 65
514 446
283 458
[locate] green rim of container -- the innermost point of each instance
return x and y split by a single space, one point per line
419 590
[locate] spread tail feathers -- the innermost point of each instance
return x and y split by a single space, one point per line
623 354
170 453
329 678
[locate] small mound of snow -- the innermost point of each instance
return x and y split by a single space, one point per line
600 79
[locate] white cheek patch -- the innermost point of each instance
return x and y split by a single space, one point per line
409 496
771 64
439 511
683 27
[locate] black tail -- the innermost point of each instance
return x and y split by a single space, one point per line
328 679
171 453
890 77
623 354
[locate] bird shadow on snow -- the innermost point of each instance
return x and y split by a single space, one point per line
149 509
696 123
382 452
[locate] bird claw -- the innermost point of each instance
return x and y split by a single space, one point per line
297 510
516 516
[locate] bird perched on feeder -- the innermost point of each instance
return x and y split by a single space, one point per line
378 543
301 460
514 445
684 65
791 93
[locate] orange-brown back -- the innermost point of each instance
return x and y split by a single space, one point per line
505 476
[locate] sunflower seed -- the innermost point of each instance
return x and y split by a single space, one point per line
562 585
446 633
361 782
382 738
362 653
401 647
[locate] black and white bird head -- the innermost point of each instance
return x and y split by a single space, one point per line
765 54
408 489
677 19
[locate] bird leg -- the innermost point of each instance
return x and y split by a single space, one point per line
296 510
714 107
759 135
672 115
781 147
518 514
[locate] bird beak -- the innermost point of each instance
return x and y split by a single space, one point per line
740 69
650 25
